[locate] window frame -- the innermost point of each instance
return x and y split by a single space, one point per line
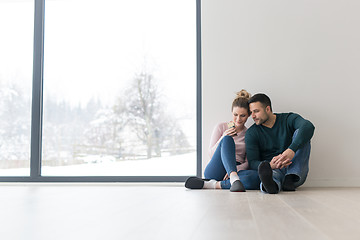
37 114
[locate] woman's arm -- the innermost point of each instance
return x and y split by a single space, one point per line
219 132
215 139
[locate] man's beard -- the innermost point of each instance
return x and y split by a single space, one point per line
263 121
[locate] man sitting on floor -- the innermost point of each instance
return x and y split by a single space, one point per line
278 146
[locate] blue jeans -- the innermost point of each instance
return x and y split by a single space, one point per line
299 167
223 161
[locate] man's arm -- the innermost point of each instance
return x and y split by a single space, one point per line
252 150
305 130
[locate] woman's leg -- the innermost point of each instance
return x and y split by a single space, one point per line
229 161
249 178
223 161
228 155
215 171
215 168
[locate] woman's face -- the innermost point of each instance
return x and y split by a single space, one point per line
240 116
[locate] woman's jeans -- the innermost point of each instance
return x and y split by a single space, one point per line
299 167
223 161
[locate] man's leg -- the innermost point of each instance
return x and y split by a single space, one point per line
296 173
270 179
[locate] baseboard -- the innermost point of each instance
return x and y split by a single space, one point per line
332 183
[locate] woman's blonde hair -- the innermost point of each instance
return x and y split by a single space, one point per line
241 100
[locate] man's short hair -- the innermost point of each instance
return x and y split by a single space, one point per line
262 98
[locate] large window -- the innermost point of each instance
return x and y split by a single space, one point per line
116 88
16 45
120 88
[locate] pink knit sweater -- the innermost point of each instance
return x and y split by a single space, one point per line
239 139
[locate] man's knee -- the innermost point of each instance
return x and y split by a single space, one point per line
303 153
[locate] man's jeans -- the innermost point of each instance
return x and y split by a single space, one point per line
299 167
223 161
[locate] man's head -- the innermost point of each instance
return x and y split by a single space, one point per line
260 108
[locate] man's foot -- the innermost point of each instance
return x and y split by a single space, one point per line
195 183
288 184
265 174
237 186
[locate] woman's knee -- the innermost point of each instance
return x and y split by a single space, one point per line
228 140
213 173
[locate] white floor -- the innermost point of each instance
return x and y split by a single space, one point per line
169 211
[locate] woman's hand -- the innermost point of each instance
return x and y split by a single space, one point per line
230 132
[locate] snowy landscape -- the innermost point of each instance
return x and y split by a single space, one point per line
116 102
180 165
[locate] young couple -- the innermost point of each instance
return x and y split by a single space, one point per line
272 155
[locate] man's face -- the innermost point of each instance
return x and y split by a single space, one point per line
259 113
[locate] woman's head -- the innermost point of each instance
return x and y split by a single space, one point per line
241 100
240 108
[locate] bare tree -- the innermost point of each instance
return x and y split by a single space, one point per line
143 108
154 127
105 131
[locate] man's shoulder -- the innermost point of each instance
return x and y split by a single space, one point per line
252 129
287 116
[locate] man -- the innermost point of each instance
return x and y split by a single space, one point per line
278 146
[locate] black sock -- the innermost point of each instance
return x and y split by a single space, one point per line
265 174
288 184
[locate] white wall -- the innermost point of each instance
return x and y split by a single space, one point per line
305 55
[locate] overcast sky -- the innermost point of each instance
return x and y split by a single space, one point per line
93 48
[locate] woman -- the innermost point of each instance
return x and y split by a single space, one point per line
228 167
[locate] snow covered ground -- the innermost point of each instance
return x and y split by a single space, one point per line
179 165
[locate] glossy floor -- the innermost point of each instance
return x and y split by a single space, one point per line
169 211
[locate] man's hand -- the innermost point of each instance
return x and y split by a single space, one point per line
274 163
282 160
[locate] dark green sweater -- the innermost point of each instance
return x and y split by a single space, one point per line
263 143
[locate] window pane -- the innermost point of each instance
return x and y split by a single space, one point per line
16 55
120 88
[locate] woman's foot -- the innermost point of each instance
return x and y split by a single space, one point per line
237 186
195 183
